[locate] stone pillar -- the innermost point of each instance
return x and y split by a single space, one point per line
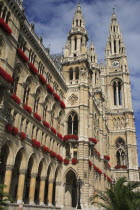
21 183
7 179
42 190
50 192
58 194
32 188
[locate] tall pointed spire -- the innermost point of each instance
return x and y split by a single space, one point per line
115 45
77 37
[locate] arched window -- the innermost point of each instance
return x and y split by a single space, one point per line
117 92
77 73
121 153
26 91
73 123
80 22
37 98
76 22
71 74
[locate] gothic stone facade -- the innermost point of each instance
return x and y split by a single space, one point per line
45 146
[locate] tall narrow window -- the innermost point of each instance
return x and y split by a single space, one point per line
114 46
95 77
115 96
15 85
37 98
73 124
75 40
77 73
16 77
46 106
26 91
119 46
71 74
7 17
80 23
77 23
119 93
114 28
36 104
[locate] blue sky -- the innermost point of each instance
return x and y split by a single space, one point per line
53 18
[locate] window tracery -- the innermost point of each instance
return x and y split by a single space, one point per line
117 92
73 123
120 153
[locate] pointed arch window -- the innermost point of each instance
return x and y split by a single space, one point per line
117 92
73 123
120 153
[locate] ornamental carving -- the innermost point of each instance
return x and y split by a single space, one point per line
119 122
72 99
22 171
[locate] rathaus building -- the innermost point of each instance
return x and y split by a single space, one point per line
62 117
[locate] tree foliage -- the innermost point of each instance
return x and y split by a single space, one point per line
4 197
122 195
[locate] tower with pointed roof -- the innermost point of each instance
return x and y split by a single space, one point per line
120 115
99 108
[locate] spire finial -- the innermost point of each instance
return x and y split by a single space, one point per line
114 9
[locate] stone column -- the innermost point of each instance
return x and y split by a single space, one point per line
32 188
58 194
7 179
42 190
50 192
21 183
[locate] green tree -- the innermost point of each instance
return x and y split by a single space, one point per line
4 197
122 195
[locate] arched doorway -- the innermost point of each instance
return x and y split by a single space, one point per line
70 189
